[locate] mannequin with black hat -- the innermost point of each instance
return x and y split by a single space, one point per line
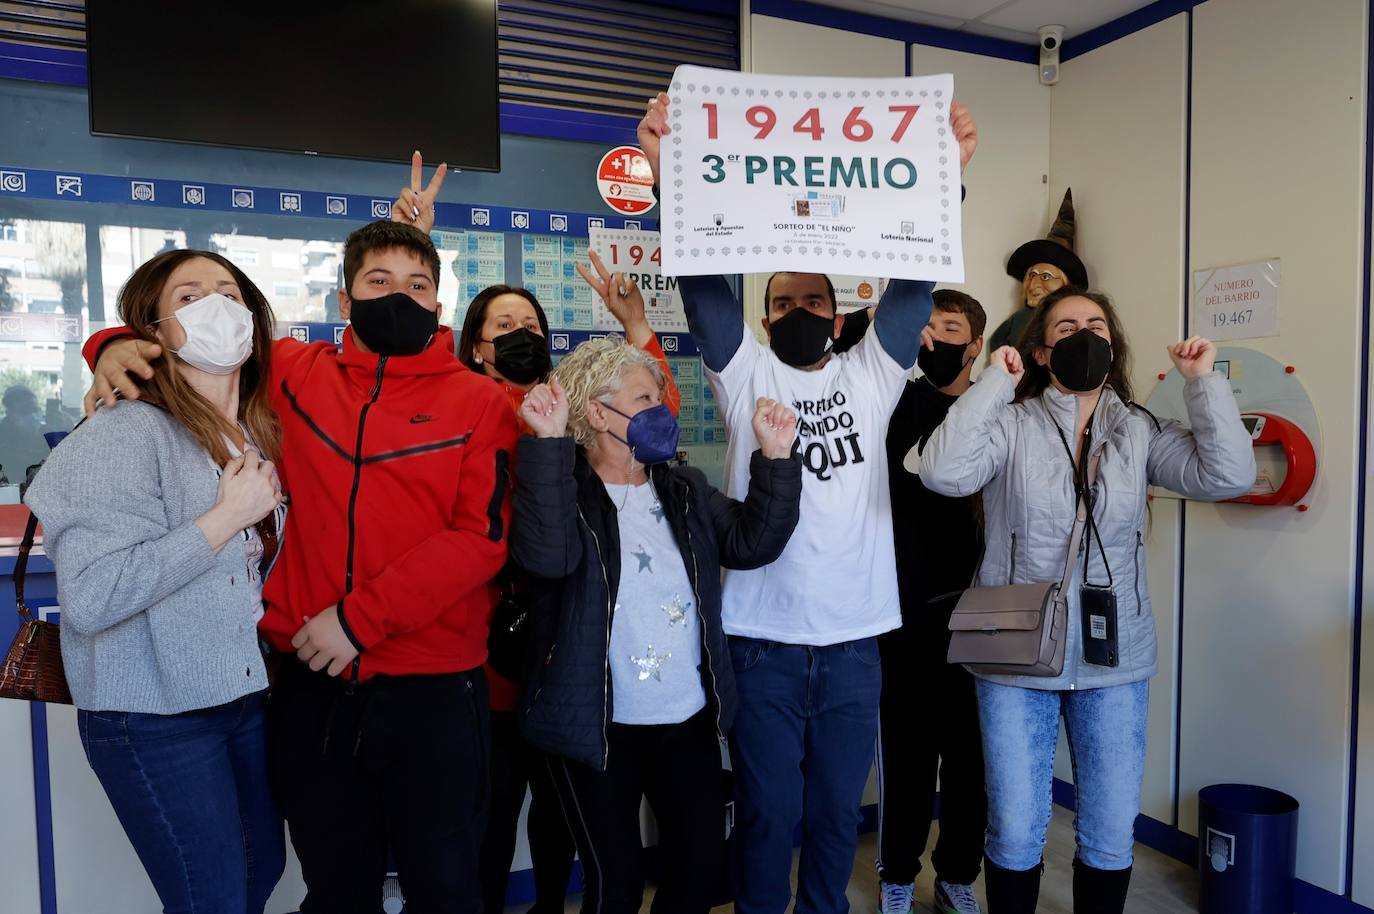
1042 266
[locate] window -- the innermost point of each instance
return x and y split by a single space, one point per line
122 249
244 257
283 290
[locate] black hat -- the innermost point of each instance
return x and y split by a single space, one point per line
1056 249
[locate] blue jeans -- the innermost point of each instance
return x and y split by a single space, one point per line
1106 730
191 791
801 750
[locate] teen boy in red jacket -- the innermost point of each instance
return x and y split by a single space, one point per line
396 460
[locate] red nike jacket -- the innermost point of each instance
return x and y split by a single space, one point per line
398 472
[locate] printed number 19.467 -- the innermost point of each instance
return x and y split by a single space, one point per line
855 127
635 255
1232 318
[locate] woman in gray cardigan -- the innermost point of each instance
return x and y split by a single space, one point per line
161 517
1024 436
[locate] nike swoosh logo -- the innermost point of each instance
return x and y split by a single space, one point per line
416 420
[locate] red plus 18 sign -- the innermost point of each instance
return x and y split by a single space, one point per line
625 180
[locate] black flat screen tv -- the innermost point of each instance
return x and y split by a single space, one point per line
366 79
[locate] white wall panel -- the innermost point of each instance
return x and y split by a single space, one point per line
1118 135
1277 171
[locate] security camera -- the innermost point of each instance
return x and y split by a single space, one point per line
1051 37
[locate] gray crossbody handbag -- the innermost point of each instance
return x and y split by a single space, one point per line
1019 629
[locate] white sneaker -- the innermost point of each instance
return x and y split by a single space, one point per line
955 899
895 898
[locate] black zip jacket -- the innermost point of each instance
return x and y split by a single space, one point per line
564 530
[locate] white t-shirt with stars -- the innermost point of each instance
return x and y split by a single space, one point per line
655 629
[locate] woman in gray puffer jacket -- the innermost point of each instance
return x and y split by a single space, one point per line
1024 436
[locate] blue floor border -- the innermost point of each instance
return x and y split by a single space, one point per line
1172 842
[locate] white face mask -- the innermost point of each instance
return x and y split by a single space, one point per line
219 334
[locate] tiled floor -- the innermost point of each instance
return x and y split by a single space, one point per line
1160 885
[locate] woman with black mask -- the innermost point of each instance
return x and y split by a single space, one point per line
1045 427
505 336
505 333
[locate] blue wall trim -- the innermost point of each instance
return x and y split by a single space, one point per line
197 194
536 120
800 11
1184 334
38 564
42 807
1128 24
44 65
1309 899
1361 484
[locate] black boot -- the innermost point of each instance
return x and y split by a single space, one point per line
1099 891
1011 891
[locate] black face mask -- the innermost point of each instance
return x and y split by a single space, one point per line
522 356
942 365
852 330
394 324
1081 362
801 338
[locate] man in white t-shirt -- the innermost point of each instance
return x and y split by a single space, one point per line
803 629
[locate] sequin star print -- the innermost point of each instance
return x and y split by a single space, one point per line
676 611
651 664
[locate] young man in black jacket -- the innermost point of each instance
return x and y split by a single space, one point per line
929 715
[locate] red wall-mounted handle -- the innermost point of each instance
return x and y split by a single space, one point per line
1302 461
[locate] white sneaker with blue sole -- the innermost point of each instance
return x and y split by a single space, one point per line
895 898
955 899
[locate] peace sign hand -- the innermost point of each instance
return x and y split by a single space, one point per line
622 297
415 205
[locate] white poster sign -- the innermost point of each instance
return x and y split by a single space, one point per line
639 256
822 174
855 292
1237 302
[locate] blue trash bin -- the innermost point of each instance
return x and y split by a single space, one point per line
1247 848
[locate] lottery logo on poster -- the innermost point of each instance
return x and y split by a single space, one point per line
853 176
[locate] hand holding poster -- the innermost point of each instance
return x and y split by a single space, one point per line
818 174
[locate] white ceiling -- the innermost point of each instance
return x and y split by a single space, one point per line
1012 20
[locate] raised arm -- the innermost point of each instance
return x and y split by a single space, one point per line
1215 460
902 313
626 302
544 537
714 316
754 532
